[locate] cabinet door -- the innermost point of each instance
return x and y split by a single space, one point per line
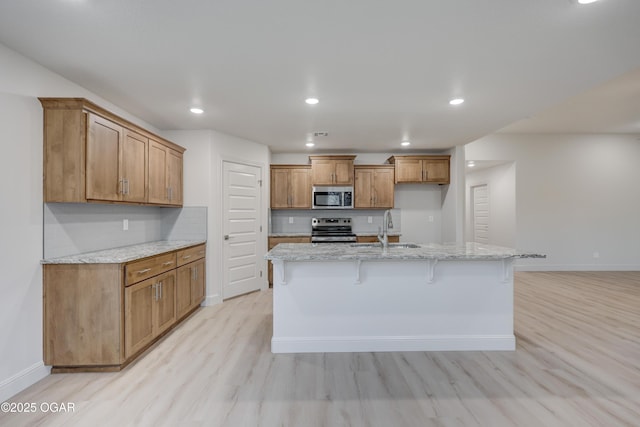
300 188
383 187
158 192
322 172
436 171
165 307
174 177
139 300
280 188
103 179
183 290
408 170
198 283
363 188
343 172
134 167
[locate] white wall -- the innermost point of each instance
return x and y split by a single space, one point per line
501 183
203 180
576 195
21 82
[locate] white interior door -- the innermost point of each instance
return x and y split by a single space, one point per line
480 217
242 229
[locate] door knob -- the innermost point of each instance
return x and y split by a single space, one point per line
226 237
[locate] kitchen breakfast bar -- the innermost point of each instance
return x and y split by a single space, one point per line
361 298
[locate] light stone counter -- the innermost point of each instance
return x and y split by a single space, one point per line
125 253
347 252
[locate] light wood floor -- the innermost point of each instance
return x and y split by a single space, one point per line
577 363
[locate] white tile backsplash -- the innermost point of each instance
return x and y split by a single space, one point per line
71 228
301 219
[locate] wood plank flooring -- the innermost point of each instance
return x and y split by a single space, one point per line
577 363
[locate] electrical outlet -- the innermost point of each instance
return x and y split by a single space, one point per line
370 219
290 220
596 254
125 224
430 218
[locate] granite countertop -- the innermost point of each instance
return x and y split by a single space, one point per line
308 234
125 253
347 252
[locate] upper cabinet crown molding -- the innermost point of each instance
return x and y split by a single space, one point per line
93 155
332 170
421 169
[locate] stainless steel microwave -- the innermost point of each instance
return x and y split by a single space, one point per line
332 197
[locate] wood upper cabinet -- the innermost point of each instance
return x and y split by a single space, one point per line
290 187
417 169
374 186
332 170
92 155
165 174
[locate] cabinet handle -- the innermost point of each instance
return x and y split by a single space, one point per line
201 253
126 181
160 290
155 291
186 256
195 273
167 263
146 270
121 184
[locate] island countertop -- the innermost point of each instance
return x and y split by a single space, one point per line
125 253
432 251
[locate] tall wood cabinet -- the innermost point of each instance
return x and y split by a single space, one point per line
290 187
374 186
92 155
100 317
419 169
332 170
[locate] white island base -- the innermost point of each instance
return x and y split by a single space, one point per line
392 305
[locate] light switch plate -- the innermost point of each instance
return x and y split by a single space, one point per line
290 220
125 224
370 219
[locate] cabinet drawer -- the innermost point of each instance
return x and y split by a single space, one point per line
188 255
140 270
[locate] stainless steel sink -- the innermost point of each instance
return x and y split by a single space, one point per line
391 245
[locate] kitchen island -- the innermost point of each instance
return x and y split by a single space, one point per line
359 297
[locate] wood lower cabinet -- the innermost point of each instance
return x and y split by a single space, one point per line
374 186
273 241
421 169
100 317
374 239
92 155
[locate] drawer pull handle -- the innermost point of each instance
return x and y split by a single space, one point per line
201 253
186 256
167 263
146 270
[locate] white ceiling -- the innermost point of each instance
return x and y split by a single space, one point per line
383 70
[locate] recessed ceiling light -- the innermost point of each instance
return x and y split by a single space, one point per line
456 101
196 110
405 143
586 1
311 101
310 144
471 163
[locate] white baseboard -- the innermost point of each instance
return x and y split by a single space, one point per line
212 300
23 379
380 344
578 267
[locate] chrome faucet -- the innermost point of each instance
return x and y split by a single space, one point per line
387 223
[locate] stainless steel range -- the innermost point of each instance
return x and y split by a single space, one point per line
332 230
